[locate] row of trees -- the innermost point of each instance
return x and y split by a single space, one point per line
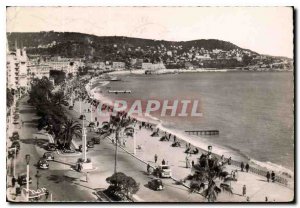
52 116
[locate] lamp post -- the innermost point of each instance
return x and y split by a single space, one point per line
27 157
84 143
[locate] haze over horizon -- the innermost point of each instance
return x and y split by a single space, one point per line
266 30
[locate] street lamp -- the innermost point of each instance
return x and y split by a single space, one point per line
27 157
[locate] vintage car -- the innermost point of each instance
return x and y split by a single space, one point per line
16 145
22 179
163 171
15 136
71 107
82 117
156 184
80 148
48 156
43 164
90 144
51 147
96 140
69 151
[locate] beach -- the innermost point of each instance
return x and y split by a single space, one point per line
175 157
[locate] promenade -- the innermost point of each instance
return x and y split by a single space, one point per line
67 184
257 186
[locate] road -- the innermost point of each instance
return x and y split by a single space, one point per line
65 184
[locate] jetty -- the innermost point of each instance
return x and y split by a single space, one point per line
203 132
119 91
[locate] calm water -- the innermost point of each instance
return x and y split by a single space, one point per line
252 111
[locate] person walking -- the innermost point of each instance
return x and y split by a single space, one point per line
193 163
244 190
87 177
247 167
163 162
273 176
242 166
229 161
268 176
155 158
13 181
148 168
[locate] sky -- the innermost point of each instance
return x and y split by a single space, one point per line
266 30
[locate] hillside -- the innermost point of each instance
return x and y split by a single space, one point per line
197 53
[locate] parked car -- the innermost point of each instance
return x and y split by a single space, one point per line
15 136
80 148
16 122
11 153
163 171
15 144
51 147
82 117
71 107
96 140
43 164
90 144
69 151
156 184
22 179
48 156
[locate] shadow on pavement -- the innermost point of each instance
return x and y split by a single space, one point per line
59 179
39 142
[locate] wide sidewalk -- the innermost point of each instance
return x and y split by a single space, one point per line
257 188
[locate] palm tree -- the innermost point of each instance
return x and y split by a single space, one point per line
69 129
118 122
206 172
59 98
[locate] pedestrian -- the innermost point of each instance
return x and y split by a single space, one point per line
13 181
187 162
97 123
95 118
266 199
273 176
175 138
229 161
244 190
163 162
155 158
47 194
248 199
87 177
268 176
193 163
140 127
80 167
247 167
242 166
148 168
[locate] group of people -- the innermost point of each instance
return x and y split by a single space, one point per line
247 167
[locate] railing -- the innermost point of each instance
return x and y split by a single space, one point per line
278 179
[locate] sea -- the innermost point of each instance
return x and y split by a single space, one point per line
253 111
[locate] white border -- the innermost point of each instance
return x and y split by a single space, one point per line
5 3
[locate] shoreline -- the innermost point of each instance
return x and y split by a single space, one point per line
179 71
255 164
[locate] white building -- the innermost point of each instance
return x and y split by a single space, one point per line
118 66
17 70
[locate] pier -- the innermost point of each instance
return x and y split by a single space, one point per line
203 132
119 91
